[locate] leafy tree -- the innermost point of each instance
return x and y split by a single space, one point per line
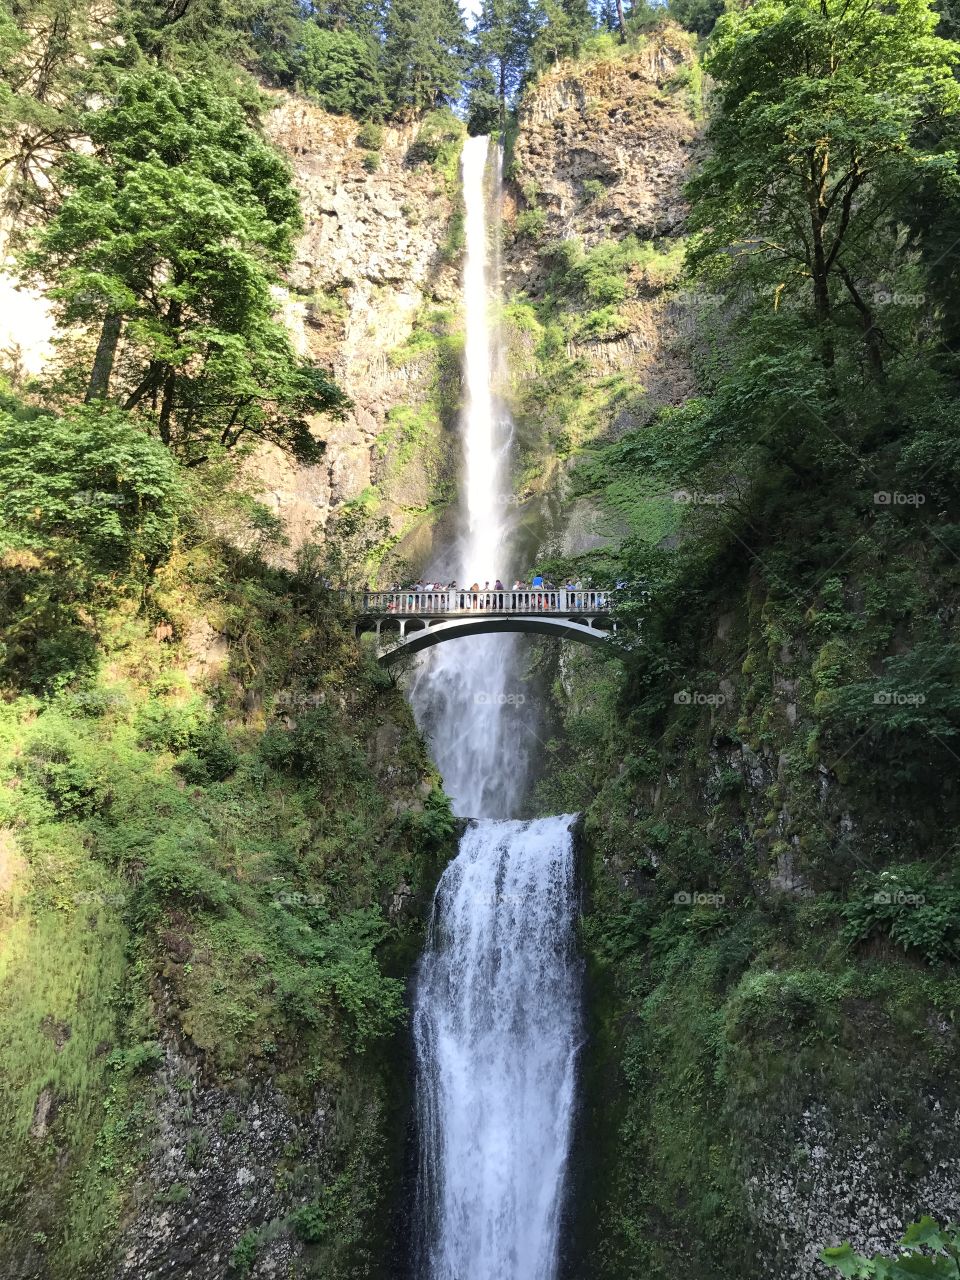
424 54
90 482
926 1250
822 122
697 15
44 50
341 70
89 505
171 236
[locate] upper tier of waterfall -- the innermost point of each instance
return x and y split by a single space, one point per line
468 696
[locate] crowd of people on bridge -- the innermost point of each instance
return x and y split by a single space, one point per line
495 595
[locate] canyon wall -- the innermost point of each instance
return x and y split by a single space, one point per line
594 221
757 1084
377 266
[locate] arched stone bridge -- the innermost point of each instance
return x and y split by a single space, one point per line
409 621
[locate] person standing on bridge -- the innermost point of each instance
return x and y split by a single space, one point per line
498 599
537 600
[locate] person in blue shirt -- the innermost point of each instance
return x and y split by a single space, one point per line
537 580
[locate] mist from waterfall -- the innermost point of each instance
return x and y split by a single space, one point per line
468 697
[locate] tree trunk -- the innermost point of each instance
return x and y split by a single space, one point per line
166 407
872 336
818 265
99 385
621 22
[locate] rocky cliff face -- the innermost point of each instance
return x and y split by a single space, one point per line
378 253
621 121
602 152
594 221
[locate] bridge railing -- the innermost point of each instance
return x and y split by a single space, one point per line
530 600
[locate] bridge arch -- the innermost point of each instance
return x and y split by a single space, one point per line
430 634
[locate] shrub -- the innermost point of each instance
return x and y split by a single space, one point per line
906 905
244 1253
925 1250
314 1222
371 161
431 828
176 872
438 140
370 136
532 223
604 323
212 759
165 725
91 485
314 749
592 189
65 770
139 1059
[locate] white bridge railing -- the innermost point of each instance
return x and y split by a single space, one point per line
447 603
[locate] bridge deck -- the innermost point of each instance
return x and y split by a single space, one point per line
467 604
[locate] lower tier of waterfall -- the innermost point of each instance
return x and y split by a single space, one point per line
497 1026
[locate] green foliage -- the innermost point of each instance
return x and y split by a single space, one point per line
531 223
432 828
244 1253
438 142
927 1249
797 205
340 69
423 54
911 907
147 836
180 189
90 488
698 16
370 137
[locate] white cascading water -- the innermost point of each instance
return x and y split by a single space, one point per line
468 697
497 1004
496 1029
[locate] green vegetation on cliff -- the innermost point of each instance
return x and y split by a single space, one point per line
207 821
769 773
217 821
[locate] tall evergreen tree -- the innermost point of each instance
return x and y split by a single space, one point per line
561 31
424 54
171 235
502 37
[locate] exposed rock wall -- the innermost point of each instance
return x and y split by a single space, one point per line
377 249
621 121
602 152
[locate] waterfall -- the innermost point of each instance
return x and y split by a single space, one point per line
497 1003
496 1028
468 697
